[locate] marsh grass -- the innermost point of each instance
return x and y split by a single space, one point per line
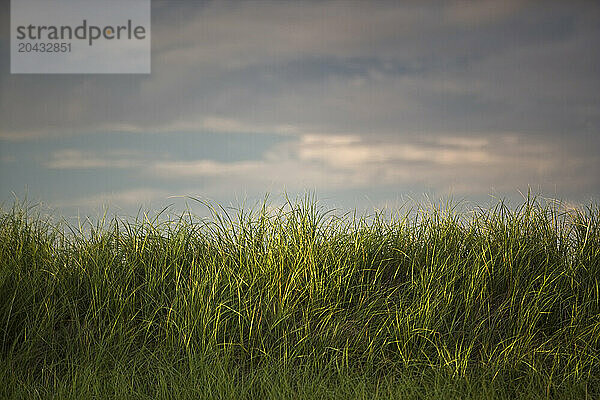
296 302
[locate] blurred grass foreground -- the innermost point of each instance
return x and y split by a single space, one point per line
295 302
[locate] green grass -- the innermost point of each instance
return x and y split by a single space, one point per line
295 302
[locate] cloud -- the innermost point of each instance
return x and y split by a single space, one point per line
352 152
335 67
183 169
219 124
437 163
463 165
7 158
234 35
461 96
477 12
129 197
80 159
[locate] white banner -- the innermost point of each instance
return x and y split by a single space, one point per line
80 36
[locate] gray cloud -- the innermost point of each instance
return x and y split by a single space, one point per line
464 95
420 64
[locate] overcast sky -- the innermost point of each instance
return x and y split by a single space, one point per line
363 103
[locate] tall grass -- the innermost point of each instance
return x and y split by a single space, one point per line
297 302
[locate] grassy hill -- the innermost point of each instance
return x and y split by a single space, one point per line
295 302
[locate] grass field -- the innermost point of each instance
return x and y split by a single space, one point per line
295 302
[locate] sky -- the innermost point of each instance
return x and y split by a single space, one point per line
363 104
